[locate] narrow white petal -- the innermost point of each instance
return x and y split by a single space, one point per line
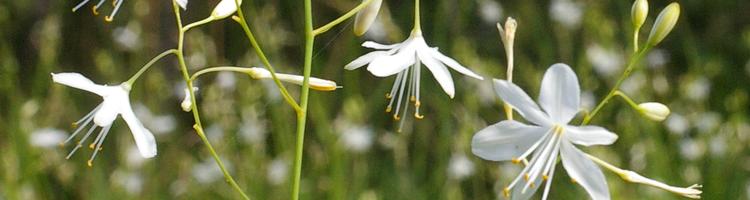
453 64
182 3
589 135
144 139
79 81
387 65
560 93
365 59
505 140
584 171
375 45
521 102
439 71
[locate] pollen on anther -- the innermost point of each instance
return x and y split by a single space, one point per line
74 125
396 117
388 96
90 163
388 109
93 10
413 98
506 192
545 177
91 146
526 176
417 103
515 160
573 181
108 18
418 116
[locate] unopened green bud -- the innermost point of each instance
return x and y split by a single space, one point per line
639 13
664 24
654 111
366 17
224 9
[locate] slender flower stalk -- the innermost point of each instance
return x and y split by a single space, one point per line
508 35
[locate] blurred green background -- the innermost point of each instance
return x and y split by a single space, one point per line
352 151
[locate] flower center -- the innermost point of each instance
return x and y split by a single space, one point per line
81 124
406 81
542 165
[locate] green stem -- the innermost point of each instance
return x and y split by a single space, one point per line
198 23
259 51
635 41
198 127
343 18
218 69
417 21
627 99
629 69
302 114
148 65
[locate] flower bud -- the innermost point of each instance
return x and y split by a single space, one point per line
315 83
187 102
664 24
639 13
224 9
366 16
654 111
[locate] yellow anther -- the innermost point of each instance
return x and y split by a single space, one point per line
417 103
114 2
545 177
388 96
74 125
515 160
572 180
526 176
395 117
506 192
413 98
90 163
93 10
418 116
91 146
388 109
531 185
108 18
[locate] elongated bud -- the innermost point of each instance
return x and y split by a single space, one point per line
366 17
639 13
664 24
315 83
187 102
654 111
224 9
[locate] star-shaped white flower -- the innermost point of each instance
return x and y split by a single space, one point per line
116 102
547 136
405 60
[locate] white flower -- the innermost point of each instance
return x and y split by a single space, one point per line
182 3
399 58
548 135
116 4
224 9
116 102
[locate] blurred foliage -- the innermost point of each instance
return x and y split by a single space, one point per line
701 71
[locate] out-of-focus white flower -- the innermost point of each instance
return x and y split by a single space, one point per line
460 167
116 103
692 149
634 83
588 100
547 137
208 172
158 124
678 124
566 12
657 58
605 62
128 36
405 61
490 11
130 181
708 122
47 137
226 80
698 89
253 131
356 138
277 171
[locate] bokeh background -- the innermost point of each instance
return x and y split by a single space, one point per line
352 149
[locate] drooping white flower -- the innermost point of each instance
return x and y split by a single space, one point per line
224 9
547 136
116 102
405 60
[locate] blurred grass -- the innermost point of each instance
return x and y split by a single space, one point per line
703 77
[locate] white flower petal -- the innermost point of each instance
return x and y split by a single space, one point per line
584 171
518 99
79 81
439 71
224 9
109 110
375 45
560 93
453 64
144 139
519 194
505 140
383 66
182 3
366 16
589 135
365 59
